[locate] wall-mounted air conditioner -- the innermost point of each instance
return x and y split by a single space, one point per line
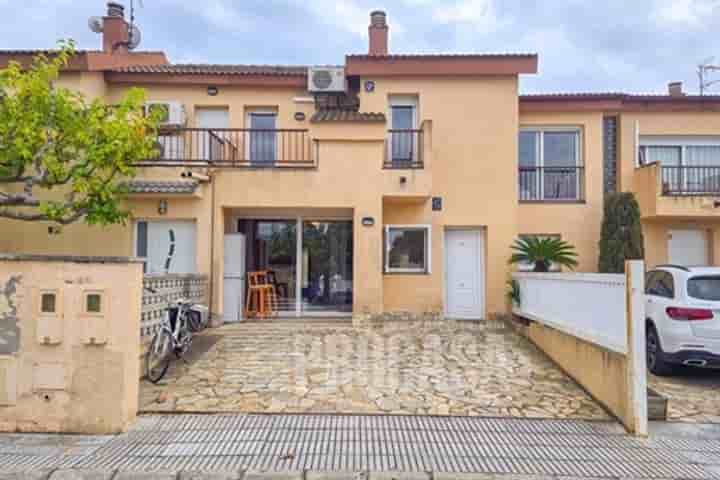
171 113
326 79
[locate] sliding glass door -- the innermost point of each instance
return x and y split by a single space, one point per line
272 247
327 267
311 262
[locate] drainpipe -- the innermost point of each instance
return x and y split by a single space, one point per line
212 241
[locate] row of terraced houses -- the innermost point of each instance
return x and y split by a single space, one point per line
391 183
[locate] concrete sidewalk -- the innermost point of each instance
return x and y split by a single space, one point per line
305 446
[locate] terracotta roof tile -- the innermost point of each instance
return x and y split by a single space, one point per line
336 115
209 69
155 186
433 56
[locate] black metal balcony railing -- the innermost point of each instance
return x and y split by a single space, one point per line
551 184
404 149
234 147
686 180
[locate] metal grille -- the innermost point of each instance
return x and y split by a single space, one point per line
376 443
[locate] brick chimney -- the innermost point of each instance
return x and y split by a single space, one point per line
675 89
115 29
378 33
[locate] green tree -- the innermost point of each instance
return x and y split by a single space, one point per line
542 252
63 158
621 237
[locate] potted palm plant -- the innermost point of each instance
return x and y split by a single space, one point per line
542 252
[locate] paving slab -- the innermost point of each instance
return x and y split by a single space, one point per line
693 394
70 474
210 475
421 368
270 475
313 446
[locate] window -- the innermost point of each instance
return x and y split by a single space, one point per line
550 166
166 246
407 249
48 302
529 267
262 145
660 284
93 303
403 136
704 288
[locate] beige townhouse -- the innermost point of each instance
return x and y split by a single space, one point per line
390 183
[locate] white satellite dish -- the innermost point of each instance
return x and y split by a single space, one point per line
95 24
134 37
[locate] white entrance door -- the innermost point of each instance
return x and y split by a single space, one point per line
687 247
464 282
168 246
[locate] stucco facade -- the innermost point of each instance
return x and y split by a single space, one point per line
467 114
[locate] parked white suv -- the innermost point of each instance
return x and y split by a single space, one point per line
682 306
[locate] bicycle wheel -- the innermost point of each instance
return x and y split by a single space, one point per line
157 358
194 320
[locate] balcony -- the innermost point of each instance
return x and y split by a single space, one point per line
551 184
700 181
680 191
234 148
404 150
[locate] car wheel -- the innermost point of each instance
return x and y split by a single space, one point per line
655 357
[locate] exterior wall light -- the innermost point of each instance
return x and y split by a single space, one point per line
368 221
213 90
162 207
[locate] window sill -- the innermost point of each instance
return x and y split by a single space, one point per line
405 273
555 202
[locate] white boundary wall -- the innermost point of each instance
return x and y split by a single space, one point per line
590 306
602 310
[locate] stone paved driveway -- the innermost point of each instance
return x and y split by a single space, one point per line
693 395
455 368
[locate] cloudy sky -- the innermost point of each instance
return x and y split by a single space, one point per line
584 45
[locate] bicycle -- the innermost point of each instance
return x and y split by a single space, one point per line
174 336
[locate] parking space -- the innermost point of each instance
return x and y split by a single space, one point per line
693 395
443 368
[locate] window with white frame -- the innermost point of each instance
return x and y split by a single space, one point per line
407 249
688 164
550 164
529 267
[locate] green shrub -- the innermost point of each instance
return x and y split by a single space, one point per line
621 237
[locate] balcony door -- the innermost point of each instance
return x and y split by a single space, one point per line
402 143
262 141
216 120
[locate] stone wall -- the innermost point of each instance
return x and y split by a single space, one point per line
69 343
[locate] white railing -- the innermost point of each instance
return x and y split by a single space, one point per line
589 306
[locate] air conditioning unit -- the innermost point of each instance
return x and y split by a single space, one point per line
172 113
326 79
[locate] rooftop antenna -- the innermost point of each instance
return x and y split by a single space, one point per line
703 70
134 35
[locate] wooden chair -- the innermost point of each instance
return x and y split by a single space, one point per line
261 299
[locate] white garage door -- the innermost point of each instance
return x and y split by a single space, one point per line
464 283
168 246
687 247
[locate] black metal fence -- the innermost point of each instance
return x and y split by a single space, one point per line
686 180
404 149
551 183
234 147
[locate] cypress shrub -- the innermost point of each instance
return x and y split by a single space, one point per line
621 237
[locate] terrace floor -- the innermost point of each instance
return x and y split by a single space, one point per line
438 368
